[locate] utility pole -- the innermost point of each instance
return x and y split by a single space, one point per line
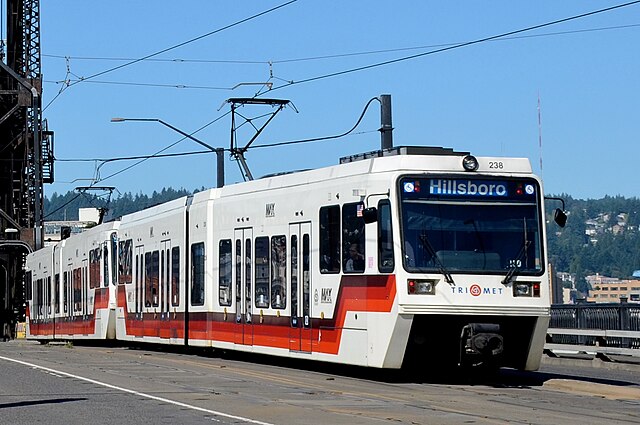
386 128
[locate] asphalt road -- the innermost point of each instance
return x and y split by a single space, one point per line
62 384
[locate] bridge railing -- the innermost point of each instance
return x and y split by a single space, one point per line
602 329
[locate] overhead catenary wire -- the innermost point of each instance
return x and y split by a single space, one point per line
127 83
156 153
184 43
178 154
142 159
175 46
337 55
456 46
66 82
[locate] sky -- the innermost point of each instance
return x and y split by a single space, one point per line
485 97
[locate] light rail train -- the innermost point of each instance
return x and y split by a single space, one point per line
410 256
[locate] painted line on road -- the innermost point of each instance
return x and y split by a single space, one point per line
126 390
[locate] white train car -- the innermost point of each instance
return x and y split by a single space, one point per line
80 290
40 294
152 271
413 257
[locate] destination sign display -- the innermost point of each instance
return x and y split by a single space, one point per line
466 188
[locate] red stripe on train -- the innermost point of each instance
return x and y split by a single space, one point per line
358 293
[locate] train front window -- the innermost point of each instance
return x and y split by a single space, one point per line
457 224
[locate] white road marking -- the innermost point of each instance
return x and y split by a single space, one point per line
126 390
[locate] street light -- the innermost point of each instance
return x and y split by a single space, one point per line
219 151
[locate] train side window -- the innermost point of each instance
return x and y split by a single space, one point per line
262 272
105 264
65 291
163 279
77 289
294 280
175 276
385 238
49 294
247 252
114 258
137 286
56 293
94 268
306 282
353 238
28 285
330 239
152 263
197 275
279 272
238 278
39 297
125 255
225 272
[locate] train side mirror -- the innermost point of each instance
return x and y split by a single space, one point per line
560 217
370 215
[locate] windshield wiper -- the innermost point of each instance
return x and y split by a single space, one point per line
515 266
441 268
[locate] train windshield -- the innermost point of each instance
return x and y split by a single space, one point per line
458 224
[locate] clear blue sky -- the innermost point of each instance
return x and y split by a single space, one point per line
481 98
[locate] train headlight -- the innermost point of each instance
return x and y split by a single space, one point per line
421 287
522 290
526 289
470 163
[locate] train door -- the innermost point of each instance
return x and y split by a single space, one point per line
300 287
243 243
139 281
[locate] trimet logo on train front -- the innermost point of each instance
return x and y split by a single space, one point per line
476 290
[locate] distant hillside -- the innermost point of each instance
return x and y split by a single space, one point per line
601 236
65 207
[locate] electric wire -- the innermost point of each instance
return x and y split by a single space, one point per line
456 46
340 55
98 179
131 158
66 82
132 62
318 139
200 37
178 154
143 159
126 83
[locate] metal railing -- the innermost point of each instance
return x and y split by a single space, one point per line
601 329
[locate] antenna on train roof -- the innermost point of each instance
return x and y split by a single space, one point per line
237 152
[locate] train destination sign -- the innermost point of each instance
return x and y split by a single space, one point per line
468 188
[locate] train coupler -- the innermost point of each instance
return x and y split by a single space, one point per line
480 344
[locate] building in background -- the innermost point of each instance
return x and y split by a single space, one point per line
609 289
53 230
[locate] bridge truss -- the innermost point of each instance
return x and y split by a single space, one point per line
26 154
